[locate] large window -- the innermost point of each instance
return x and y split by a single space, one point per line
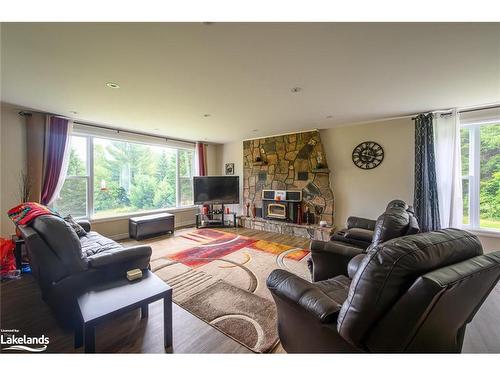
73 198
111 177
480 144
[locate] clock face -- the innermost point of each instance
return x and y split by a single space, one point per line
367 155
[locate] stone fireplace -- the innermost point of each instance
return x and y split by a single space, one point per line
293 163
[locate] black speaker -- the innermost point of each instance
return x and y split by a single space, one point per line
293 211
258 211
268 194
293 196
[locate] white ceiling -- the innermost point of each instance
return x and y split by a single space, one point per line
172 74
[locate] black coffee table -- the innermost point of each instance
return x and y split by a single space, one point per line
120 296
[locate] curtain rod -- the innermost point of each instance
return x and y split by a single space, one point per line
447 113
28 113
133 132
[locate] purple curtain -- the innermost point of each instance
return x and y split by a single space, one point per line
202 158
56 158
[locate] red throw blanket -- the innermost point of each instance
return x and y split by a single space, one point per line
7 259
25 213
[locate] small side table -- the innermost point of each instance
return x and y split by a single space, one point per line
120 296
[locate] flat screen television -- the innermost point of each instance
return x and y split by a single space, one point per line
216 189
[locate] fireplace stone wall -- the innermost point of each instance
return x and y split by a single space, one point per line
289 162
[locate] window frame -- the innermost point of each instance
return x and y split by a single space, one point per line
89 177
474 176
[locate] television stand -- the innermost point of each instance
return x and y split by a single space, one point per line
216 219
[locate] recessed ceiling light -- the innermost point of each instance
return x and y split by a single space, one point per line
255 130
296 89
73 112
329 116
113 85
207 115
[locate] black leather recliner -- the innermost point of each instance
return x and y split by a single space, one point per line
341 256
65 265
411 294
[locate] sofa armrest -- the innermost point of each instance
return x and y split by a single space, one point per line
295 290
330 259
138 254
354 264
360 222
85 224
359 234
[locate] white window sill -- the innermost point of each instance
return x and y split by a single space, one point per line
484 232
142 213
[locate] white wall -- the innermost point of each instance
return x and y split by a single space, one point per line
366 193
12 163
213 163
233 153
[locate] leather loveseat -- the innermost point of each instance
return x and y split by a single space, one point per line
341 256
65 264
410 294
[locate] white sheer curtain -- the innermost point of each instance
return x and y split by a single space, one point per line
448 169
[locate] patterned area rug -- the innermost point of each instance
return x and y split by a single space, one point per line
221 278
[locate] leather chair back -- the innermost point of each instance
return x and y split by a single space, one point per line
54 249
397 221
432 315
390 269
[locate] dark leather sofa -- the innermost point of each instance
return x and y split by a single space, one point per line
415 293
65 265
342 255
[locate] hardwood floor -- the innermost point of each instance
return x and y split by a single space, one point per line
22 308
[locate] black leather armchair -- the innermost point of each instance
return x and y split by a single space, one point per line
65 265
410 294
342 257
358 232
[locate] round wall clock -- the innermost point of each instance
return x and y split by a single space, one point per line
367 155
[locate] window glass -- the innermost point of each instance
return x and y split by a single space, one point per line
465 137
72 198
73 195
78 157
465 200
131 177
489 184
127 177
186 167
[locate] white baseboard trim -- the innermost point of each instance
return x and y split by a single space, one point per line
185 223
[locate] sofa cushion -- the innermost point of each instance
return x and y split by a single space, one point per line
360 234
94 243
79 230
336 288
